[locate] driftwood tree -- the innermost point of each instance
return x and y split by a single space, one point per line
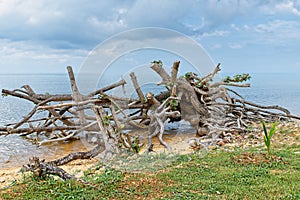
214 109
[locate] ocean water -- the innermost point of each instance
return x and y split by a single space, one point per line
266 89
274 89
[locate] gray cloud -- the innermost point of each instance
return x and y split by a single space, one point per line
83 23
61 32
60 23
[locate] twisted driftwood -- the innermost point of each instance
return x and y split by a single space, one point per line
41 169
208 106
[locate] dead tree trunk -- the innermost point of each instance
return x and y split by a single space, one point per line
207 105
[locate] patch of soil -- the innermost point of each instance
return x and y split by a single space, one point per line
141 183
247 158
287 133
76 167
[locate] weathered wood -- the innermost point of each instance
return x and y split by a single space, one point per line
86 127
79 103
276 107
156 126
230 84
174 73
208 107
137 87
209 77
36 98
7 130
54 97
109 140
40 168
107 88
40 120
118 127
78 155
21 96
162 73
29 90
77 97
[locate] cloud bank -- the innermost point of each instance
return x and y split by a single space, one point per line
62 32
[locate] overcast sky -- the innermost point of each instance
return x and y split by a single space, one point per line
45 36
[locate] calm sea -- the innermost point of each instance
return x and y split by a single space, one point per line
266 89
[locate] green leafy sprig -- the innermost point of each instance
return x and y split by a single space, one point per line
268 135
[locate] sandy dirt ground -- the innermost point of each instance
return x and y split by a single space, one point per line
288 134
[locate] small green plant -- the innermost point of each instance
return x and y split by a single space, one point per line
188 75
174 104
237 78
250 128
135 144
268 135
4 95
106 120
159 62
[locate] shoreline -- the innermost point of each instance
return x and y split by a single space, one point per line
287 134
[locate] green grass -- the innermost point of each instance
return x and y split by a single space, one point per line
215 176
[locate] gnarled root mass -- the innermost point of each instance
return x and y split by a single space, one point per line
214 109
42 169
